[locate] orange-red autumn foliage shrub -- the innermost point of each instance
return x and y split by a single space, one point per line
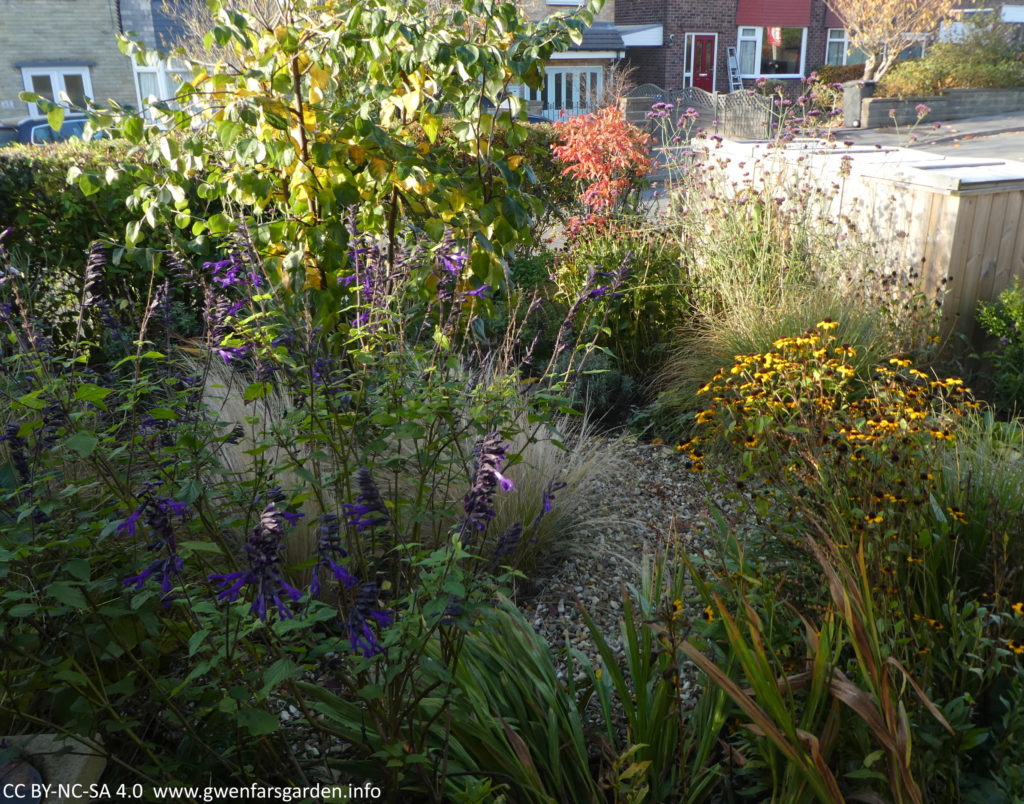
605 152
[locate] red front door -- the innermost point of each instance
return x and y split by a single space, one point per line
704 61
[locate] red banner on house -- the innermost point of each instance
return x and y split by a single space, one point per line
775 13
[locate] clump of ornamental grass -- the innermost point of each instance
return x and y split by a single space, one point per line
710 343
980 480
547 469
551 476
745 242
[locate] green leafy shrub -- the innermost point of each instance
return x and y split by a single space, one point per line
654 297
931 77
55 223
52 222
529 146
839 73
986 57
365 142
1004 319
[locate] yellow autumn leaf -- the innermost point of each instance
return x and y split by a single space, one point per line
515 161
456 200
312 279
379 168
357 153
411 101
417 185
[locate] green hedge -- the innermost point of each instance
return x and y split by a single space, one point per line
55 222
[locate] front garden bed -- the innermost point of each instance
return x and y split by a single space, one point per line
325 470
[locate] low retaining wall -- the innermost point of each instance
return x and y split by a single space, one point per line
953 104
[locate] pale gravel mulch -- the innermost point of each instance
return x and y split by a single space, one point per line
654 500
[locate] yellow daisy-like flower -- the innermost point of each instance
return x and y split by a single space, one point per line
827 324
957 515
874 519
1016 647
709 614
677 609
1018 608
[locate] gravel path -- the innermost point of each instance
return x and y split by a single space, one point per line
655 498
648 501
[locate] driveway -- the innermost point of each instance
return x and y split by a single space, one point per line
995 137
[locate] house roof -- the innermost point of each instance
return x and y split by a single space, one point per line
600 36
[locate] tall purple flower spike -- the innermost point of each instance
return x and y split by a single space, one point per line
264 576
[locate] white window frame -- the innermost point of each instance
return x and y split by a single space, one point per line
1012 13
758 39
843 39
56 75
563 2
167 87
917 38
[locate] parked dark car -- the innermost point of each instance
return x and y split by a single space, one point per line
36 130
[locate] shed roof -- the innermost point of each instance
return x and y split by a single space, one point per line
600 36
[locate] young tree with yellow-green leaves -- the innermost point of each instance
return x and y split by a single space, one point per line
325 115
882 29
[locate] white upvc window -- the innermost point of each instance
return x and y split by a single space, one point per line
66 85
838 50
836 46
771 51
157 82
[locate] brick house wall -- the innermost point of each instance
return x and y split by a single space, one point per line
664 66
62 32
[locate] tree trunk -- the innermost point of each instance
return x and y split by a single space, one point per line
870 68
